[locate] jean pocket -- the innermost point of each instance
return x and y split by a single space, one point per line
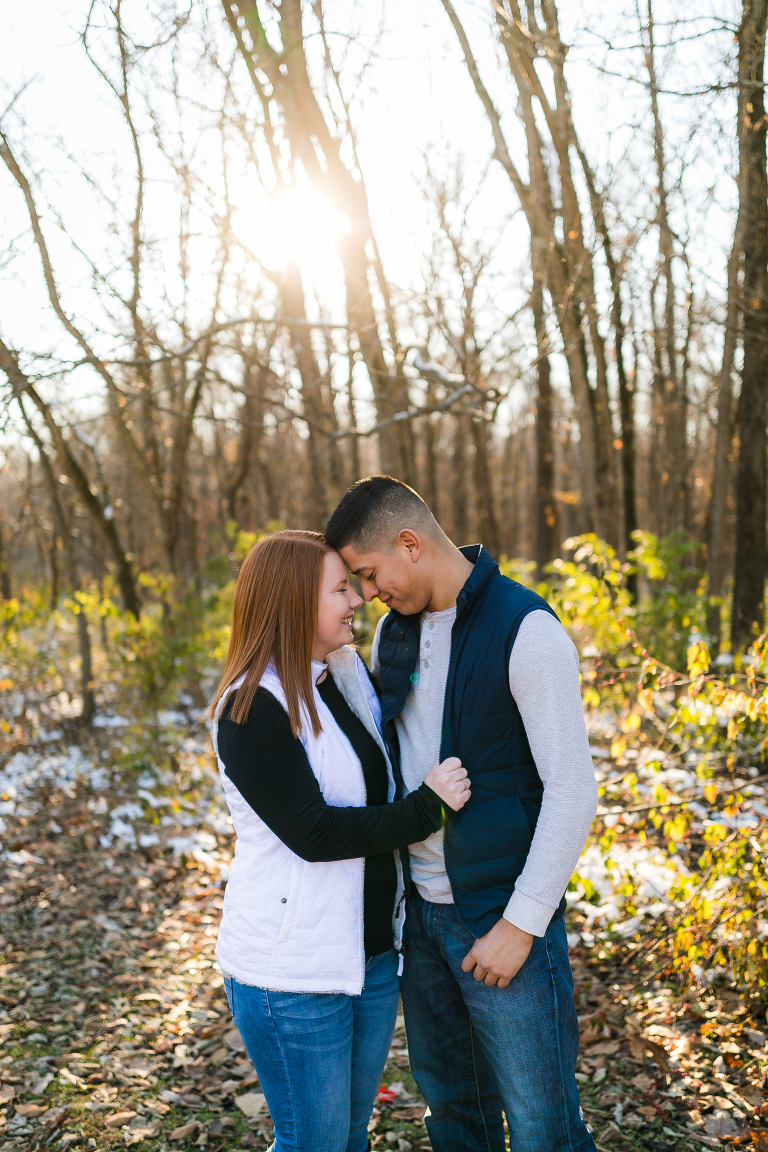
228 990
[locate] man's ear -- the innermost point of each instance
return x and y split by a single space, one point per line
411 542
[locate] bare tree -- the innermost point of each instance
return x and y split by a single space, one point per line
751 566
570 274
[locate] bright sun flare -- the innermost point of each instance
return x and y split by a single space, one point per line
299 225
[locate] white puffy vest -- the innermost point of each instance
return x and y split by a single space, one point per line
288 924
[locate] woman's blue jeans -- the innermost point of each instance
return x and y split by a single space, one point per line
319 1056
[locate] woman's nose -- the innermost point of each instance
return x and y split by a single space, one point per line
356 601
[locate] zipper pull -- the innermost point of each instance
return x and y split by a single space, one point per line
399 963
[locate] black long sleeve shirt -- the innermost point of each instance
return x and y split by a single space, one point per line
269 767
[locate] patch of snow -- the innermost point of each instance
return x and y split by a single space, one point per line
102 721
170 719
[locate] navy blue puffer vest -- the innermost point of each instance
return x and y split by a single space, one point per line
487 842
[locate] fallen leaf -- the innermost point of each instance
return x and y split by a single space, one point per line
234 1040
659 1054
7 1093
31 1111
752 1097
42 1083
183 1131
606 1048
229 1086
105 1093
156 1107
138 1135
69 1078
53 1118
719 1123
192 1100
251 1103
415 1113
117 1119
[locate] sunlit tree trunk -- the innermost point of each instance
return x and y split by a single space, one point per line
546 507
721 482
751 542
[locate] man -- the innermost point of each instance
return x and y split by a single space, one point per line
474 665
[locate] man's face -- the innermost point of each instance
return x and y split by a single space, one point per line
397 577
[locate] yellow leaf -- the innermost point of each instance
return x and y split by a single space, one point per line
710 792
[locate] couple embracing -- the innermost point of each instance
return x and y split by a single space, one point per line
408 831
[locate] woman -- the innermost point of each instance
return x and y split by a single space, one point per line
313 911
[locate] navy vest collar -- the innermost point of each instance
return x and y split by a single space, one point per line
483 571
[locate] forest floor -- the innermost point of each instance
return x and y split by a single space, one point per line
114 1027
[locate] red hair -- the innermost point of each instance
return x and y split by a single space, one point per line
274 617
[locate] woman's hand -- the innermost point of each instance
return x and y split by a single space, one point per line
450 781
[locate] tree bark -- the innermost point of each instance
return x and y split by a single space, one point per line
459 487
751 541
723 437
546 507
62 530
488 528
6 590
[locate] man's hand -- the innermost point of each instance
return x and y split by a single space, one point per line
499 955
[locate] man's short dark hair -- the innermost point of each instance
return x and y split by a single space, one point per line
374 510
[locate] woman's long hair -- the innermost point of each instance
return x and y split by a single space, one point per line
274 617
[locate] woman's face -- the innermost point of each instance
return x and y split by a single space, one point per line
338 601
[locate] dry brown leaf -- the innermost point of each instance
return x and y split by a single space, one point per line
415 1113
31 1111
183 1131
117 1119
251 1104
234 1040
53 1118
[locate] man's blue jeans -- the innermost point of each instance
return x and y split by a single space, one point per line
319 1056
476 1051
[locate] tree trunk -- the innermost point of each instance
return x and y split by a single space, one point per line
459 487
487 528
546 508
312 399
626 389
724 435
62 530
5 567
431 435
751 542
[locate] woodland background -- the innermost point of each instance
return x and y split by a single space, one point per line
514 254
